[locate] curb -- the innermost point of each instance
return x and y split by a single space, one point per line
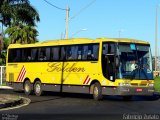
16 104
11 103
6 87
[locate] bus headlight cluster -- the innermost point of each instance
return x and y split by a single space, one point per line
124 84
151 85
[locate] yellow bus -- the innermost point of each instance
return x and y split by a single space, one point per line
102 66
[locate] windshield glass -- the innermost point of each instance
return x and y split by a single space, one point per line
135 61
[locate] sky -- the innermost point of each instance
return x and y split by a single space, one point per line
103 18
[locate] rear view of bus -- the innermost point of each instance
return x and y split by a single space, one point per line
127 64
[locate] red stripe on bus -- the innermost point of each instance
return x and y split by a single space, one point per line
23 75
19 79
88 80
85 79
20 74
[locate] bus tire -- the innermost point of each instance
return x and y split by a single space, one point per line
27 87
38 88
97 91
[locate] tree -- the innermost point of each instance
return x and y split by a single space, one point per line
20 33
20 17
4 43
1 43
18 10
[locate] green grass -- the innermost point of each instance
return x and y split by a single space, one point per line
4 83
157 84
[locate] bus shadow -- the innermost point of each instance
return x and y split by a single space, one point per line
134 98
105 97
68 95
46 100
88 96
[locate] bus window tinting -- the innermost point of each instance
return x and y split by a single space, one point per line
34 54
44 54
71 53
90 52
26 54
14 55
86 52
55 53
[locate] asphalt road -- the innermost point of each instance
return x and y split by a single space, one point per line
82 105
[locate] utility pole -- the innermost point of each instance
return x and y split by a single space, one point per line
67 18
156 38
119 33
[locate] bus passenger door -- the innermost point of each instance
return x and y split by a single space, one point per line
108 61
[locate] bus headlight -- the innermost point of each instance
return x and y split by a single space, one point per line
128 84
121 84
124 84
151 85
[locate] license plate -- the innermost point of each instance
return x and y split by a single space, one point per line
139 90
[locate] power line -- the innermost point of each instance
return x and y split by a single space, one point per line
82 9
54 5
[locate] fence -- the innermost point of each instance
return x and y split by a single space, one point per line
2 74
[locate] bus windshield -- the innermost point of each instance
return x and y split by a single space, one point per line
135 62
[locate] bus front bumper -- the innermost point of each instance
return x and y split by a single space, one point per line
128 90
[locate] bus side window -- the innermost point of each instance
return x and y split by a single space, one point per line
55 53
84 52
42 54
90 55
17 56
68 53
28 54
48 53
95 51
79 52
74 50
90 52
34 54
71 53
63 53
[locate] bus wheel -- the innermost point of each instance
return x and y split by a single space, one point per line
38 88
27 87
97 91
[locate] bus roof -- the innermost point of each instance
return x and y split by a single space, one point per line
77 41
123 40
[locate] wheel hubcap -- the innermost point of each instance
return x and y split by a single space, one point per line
38 88
27 88
95 91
